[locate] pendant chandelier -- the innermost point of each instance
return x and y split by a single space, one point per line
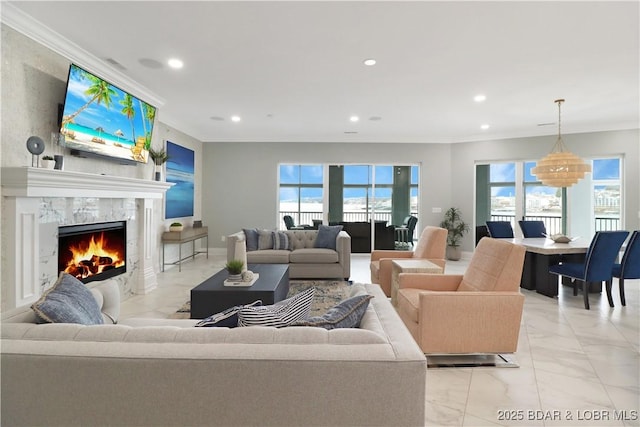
560 168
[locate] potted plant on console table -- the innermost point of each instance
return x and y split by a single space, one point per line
457 228
176 226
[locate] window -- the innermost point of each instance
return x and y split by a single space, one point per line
502 183
508 191
542 203
606 194
301 193
349 193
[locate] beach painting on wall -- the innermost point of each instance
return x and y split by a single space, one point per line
180 171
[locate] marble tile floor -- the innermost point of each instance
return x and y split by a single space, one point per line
577 367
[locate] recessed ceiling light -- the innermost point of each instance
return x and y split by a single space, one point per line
484 126
354 118
235 118
480 98
369 62
375 118
175 63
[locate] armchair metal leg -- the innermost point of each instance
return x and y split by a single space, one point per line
608 287
621 286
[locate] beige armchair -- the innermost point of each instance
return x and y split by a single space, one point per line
478 312
431 246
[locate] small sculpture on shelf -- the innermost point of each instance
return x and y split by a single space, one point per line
48 162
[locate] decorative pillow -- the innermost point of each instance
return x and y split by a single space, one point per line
265 239
281 240
347 314
68 301
327 235
280 314
251 237
227 318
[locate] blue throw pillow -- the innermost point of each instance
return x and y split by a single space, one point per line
227 318
327 235
251 237
347 314
68 301
280 314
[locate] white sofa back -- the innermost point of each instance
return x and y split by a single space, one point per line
165 372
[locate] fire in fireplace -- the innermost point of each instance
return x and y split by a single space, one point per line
93 251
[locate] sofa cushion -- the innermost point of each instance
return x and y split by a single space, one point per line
265 239
299 239
280 314
327 235
346 314
68 301
268 256
251 237
227 318
281 240
314 256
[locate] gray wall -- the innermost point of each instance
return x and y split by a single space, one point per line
241 188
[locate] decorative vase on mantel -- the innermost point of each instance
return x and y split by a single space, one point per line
159 157
158 172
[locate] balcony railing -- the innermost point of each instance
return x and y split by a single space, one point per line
553 224
308 217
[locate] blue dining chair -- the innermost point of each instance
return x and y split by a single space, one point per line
597 265
500 229
533 228
629 267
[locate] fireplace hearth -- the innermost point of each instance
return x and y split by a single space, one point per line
93 251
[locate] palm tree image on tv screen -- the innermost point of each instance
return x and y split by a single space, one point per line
100 118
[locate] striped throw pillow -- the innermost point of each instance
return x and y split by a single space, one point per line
280 314
227 318
281 240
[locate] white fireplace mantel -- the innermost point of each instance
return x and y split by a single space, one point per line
24 187
39 182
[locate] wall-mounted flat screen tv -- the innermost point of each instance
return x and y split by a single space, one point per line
102 119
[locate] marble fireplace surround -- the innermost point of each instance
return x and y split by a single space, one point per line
37 201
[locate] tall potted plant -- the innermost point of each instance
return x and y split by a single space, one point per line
457 228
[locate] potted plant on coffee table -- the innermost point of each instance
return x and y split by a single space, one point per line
457 228
234 267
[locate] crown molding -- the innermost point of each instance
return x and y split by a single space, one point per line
37 31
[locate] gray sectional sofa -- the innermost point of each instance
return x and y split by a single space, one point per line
305 260
164 372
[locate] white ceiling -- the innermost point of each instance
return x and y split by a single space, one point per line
294 70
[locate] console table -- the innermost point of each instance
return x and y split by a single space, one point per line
185 236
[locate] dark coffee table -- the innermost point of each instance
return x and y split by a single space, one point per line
211 296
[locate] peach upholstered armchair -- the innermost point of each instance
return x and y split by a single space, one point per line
478 312
431 246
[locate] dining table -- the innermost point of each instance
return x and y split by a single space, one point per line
543 252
